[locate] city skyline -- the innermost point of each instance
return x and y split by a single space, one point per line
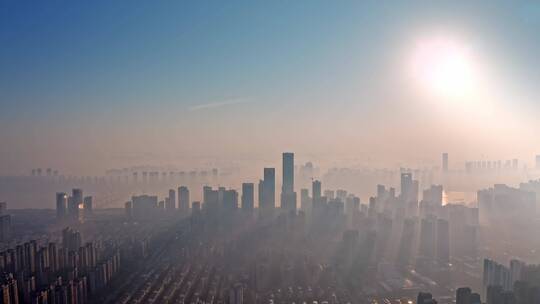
269 152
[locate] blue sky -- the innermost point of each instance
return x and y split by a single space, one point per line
100 66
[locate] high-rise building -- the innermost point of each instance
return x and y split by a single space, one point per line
196 206
495 274
288 196
288 173
445 162
171 202
316 189
504 203
74 202
433 195
341 194
538 161
409 188
210 198
329 194
144 206
497 295
248 196
267 189
516 269
77 195
229 199
463 295
61 204
372 207
183 199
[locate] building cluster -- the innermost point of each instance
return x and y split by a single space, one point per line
517 283
251 245
504 203
491 165
392 228
68 208
147 207
48 273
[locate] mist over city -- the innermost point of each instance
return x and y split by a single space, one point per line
269 152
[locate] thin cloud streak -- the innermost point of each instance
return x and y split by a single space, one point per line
220 104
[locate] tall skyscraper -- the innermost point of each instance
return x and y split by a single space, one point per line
409 188
183 199
77 195
171 202
445 162
538 162
288 173
229 199
288 196
248 196
61 204
267 189
74 201
316 189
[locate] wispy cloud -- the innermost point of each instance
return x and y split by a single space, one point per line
219 104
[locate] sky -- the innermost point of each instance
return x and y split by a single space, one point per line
91 85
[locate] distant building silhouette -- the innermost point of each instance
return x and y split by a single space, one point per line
248 196
183 199
267 189
288 195
171 202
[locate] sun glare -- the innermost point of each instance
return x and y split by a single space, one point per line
445 68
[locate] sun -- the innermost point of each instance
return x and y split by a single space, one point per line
445 68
